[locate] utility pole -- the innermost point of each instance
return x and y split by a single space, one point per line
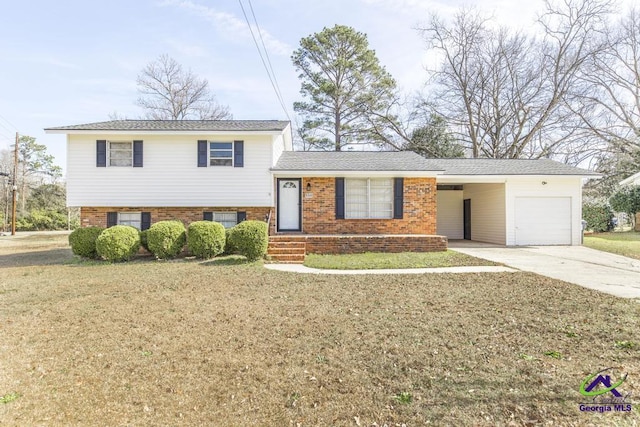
15 187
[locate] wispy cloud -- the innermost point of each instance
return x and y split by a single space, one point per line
230 25
188 49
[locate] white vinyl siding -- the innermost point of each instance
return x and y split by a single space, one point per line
368 198
133 219
170 176
449 218
487 212
120 153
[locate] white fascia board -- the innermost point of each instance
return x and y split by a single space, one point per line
161 132
354 174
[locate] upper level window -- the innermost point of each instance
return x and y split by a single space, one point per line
120 153
221 154
369 198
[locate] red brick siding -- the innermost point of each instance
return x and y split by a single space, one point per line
319 217
97 216
358 244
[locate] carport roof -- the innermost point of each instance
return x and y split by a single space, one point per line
380 161
508 167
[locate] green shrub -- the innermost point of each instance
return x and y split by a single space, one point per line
40 219
118 243
598 215
250 238
166 239
83 241
206 239
144 242
228 243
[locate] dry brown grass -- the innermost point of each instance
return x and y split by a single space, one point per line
200 343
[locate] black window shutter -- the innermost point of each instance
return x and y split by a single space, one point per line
398 197
241 216
238 154
101 153
339 198
145 221
207 216
202 154
137 154
112 219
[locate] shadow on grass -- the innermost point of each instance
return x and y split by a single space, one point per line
227 260
46 257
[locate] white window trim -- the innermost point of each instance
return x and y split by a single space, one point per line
368 213
222 158
109 153
128 222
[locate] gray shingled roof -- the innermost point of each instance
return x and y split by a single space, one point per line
508 167
353 161
179 125
409 161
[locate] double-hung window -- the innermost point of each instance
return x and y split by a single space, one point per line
120 153
369 198
227 219
220 153
134 219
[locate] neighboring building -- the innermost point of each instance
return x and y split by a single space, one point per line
632 180
138 172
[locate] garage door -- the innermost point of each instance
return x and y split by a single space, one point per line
543 221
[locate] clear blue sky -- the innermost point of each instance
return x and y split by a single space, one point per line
76 61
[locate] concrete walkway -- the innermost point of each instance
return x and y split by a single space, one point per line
602 271
299 268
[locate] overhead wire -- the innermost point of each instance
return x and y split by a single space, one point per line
9 123
270 74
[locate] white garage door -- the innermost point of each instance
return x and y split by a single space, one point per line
543 221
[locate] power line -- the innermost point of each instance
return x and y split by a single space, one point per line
266 53
274 85
10 124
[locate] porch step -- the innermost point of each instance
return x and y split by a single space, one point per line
286 251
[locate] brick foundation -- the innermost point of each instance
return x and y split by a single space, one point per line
319 216
351 244
97 216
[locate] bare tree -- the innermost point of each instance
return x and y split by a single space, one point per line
507 94
611 87
169 93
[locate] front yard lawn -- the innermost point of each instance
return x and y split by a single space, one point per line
200 343
374 260
626 243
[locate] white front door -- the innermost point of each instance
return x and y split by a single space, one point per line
289 204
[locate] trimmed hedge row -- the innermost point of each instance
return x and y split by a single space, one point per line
167 239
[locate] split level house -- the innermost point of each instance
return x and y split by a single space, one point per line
138 172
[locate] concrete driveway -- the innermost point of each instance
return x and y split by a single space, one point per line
602 271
